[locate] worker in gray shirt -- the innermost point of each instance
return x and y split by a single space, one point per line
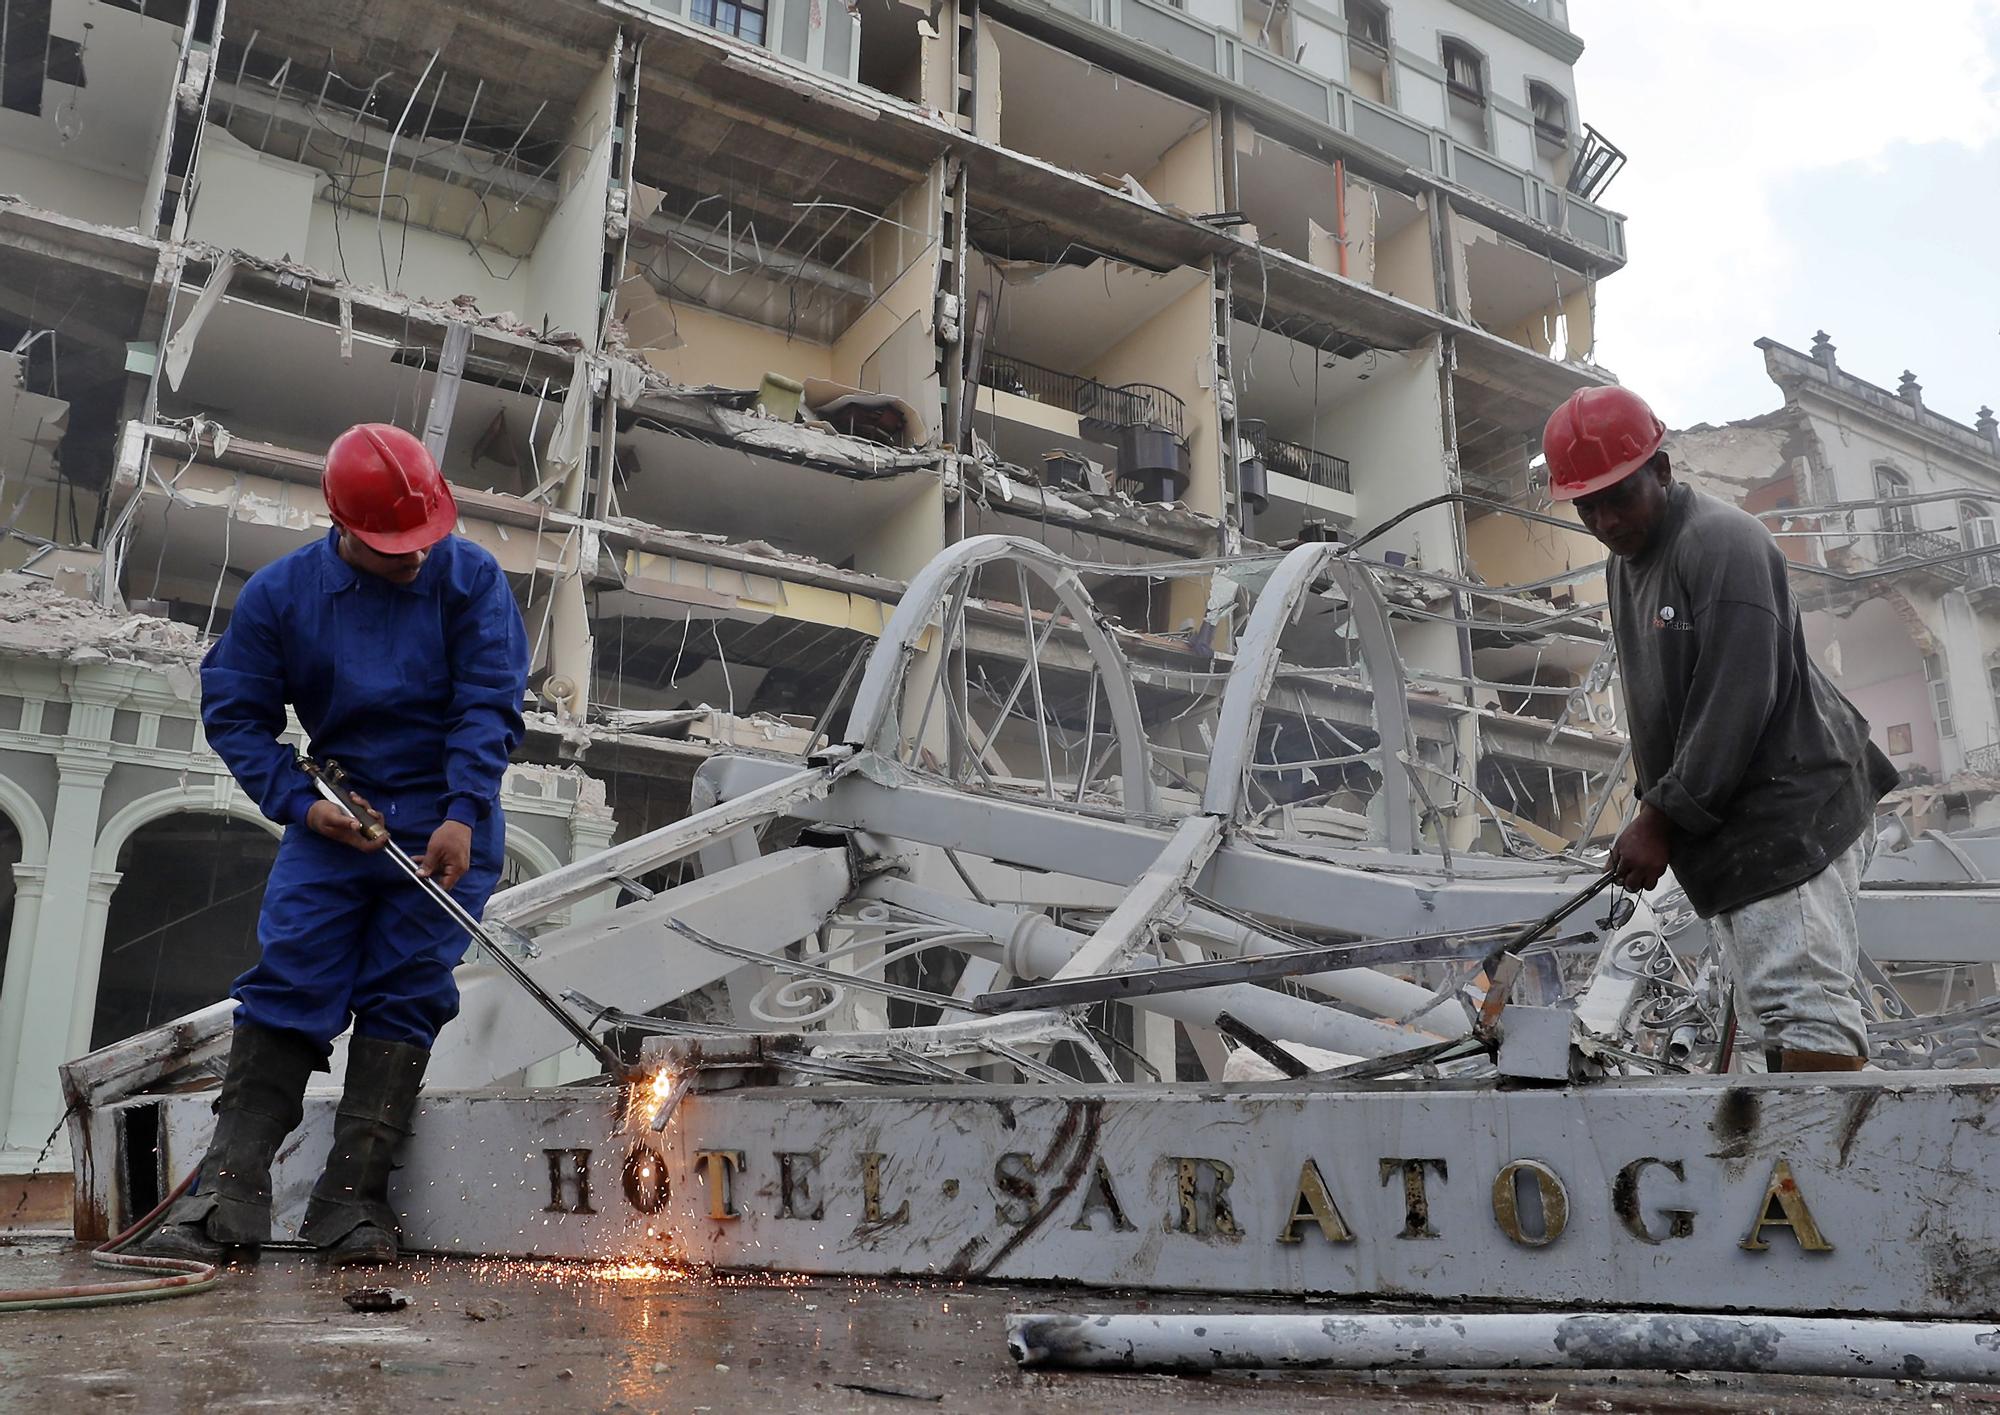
1757 780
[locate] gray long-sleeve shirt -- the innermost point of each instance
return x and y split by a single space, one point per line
1764 769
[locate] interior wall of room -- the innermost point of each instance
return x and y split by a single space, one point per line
70 188
248 201
564 277
1172 350
716 349
1403 265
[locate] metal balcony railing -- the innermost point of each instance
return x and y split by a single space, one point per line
1597 162
1295 460
1131 405
1985 760
1899 544
1984 573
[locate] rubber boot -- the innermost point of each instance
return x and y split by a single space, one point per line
228 1211
349 1219
1791 1060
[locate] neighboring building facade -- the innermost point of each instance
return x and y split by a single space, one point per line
1901 606
724 318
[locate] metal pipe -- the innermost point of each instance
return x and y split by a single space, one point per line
1596 1341
1033 946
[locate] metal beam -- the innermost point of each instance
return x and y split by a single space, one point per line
631 955
1341 893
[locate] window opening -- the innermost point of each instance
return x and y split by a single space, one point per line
1368 50
1891 485
1940 687
735 17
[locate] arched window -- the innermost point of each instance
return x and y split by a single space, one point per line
1975 520
1977 529
1368 66
1465 92
182 925
1552 129
1891 485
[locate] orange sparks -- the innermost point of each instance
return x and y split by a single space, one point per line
649 1097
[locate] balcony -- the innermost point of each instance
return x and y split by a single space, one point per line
1984 760
1254 76
1902 545
1145 426
1292 459
1982 579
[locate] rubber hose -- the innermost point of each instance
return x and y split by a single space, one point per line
178 1276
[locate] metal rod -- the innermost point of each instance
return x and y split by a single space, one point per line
1021 681
1035 676
1486 1341
585 1038
1187 977
1263 1046
1548 921
1089 732
812 970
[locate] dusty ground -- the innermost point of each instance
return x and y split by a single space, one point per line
543 1337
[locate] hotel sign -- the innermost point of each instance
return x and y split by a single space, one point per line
1846 1195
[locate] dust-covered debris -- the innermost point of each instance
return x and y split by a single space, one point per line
376 1299
37 620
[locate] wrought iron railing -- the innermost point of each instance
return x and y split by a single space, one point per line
1132 405
1295 460
1984 573
1985 760
1906 543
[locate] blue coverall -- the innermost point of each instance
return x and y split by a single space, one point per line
416 691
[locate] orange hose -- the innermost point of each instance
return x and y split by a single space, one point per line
179 1275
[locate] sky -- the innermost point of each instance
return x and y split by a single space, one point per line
1798 165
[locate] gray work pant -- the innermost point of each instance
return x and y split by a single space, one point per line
1796 959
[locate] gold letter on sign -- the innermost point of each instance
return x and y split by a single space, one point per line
717 1167
1416 1197
1313 1203
1187 1191
871 1193
1785 1207
1507 1203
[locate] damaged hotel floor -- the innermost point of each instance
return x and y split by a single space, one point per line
1069 749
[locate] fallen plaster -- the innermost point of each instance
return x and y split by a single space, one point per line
1017 489
38 620
708 412
459 309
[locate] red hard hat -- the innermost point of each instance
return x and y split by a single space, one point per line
381 484
1599 437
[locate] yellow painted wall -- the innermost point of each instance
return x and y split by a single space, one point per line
1172 350
730 352
1186 176
45 511
906 539
1361 234
1403 263
1508 551
987 99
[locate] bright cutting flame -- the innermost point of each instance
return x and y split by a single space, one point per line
649 1097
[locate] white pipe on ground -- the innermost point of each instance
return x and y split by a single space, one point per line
1594 1341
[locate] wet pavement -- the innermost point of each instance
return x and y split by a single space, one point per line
562 1338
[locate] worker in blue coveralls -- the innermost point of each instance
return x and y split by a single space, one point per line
401 649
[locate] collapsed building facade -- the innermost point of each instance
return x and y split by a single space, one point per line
724 323
1886 509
